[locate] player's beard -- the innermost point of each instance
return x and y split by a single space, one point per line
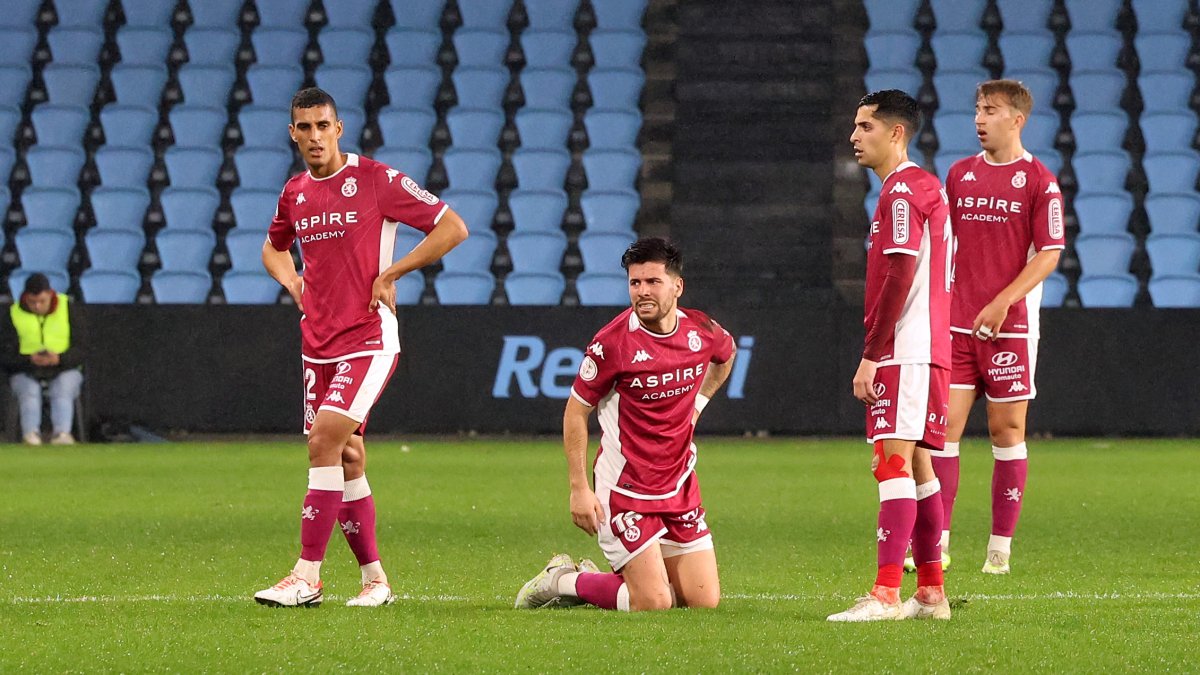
659 312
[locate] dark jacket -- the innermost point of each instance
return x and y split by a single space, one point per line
12 361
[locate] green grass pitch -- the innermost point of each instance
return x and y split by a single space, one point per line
136 558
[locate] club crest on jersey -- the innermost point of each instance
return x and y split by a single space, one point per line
694 342
350 187
1018 180
588 369
900 187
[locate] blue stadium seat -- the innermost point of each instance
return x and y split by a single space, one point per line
602 289
1175 291
534 288
551 14
44 249
406 127
181 288
128 125
10 119
1174 254
418 14
1097 91
353 120
464 288
59 279
407 239
211 46
958 15
110 287
1101 171
1103 212
21 13
480 87
477 209
890 15
537 210
14 80
216 13
262 168
59 124
602 251
1051 160
956 133
1041 129
51 166
288 14
609 211
1026 51
1107 290
265 127
74 46
617 48
413 162
115 249
412 87
1166 92
193 167
907 80
189 208
120 208
75 85
472 169
1042 85
148 14
619 89
19 43
1160 15
485 13
198 125
410 288
480 48
956 90
1054 290
351 13
347 85
142 85
412 47
274 86
245 249
1172 171
473 255
541 169
1162 52
612 170
1167 132
278 46
544 129
959 51
253 209
1105 253
612 129
471 129
1093 15
1094 51
124 166
206 85
548 48
537 251
892 51
185 250
1173 214
346 46
250 288
8 157
1099 131
619 14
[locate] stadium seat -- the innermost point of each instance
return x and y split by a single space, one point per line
406 127
347 85
413 47
216 13
464 288
206 85
1175 291
254 209
602 251
80 13
956 90
1093 15
75 85
958 15
534 288
250 288
418 14
541 169
59 279
1167 132
353 120
54 166
540 252
265 127
142 85
480 87
1094 51
959 51
187 288
472 169
1173 214
1174 254
473 255
1172 172
211 46
601 289
1040 132
609 211
59 124
74 45
617 48
1101 171
273 86
1105 253
618 89
619 14
245 249
548 48
551 14
262 168
612 129
411 87
124 166
1155 16
1042 85
612 170
351 13
475 129
412 162
110 287
21 13
892 51
956 132
1099 131
1107 290
1051 160
1103 212
19 43
545 129
8 157
193 167
278 46
189 208
148 14
491 14
1054 290
890 15
120 208
44 249
128 125
1097 91
480 48
537 210
197 125
407 239
115 249
1166 92
477 209
288 14
1026 51
1162 52
346 46
185 250
14 80
10 119
907 80
410 288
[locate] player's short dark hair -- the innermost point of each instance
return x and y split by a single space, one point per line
895 106
1016 92
654 249
313 97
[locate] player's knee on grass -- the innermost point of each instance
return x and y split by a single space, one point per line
703 598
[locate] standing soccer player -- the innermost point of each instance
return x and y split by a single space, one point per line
649 373
344 211
904 373
1008 216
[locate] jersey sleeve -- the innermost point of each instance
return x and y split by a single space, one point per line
402 200
281 234
900 223
1047 217
597 372
723 346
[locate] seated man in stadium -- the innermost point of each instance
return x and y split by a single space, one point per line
649 372
43 349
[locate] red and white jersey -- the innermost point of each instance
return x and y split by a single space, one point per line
346 225
645 386
911 219
1003 214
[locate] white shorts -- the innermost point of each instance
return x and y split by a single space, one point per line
350 387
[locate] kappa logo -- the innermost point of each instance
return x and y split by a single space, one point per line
350 187
1012 494
900 187
597 349
968 176
299 199
309 513
336 397
880 389
351 527
881 423
694 518
1004 359
391 174
1018 180
1017 388
694 342
882 534
641 357
1052 189
626 525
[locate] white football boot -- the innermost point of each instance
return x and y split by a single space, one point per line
374 594
542 590
997 563
586 566
291 591
868 608
915 609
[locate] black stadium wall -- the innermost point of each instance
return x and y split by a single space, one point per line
508 369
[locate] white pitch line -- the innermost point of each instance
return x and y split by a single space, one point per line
1067 595
83 599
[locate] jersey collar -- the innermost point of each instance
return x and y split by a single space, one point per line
903 165
351 160
635 324
1025 157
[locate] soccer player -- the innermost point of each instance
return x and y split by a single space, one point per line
344 211
649 373
904 373
1007 212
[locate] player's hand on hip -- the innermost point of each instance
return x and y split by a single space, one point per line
987 323
296 290
383 291
586 511
864 382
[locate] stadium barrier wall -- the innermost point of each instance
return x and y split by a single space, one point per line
509 369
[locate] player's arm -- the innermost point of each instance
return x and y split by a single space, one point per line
716 374
449 232
586 511
280 265
901 268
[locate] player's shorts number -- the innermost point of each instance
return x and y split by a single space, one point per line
310 381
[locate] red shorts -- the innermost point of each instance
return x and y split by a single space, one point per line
631 525
1002 370
913 404
349 387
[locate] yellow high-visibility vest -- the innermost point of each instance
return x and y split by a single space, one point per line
37 333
